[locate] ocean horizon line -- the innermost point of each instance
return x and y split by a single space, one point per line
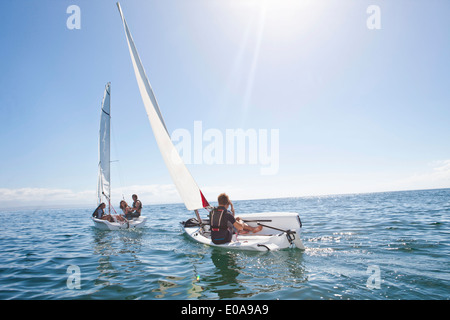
86 206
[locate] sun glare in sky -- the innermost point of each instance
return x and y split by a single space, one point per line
338 96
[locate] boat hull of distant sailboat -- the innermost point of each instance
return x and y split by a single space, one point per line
281 230
135 223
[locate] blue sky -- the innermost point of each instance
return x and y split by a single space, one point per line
357 110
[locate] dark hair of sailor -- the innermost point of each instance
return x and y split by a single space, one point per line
223 199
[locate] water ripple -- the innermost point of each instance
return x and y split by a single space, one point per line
404 235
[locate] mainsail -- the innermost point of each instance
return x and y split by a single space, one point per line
103 186
182 178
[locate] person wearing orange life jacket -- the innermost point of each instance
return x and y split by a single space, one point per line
222 221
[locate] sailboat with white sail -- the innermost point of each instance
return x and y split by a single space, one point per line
104 171
280 229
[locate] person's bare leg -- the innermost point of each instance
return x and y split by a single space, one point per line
252 229
246 227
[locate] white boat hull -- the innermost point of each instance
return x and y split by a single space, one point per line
280 230
131 224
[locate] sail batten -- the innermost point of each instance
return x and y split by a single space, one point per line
182 178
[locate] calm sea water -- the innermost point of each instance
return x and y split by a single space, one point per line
393 245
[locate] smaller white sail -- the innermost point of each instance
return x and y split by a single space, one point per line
182 178
104 172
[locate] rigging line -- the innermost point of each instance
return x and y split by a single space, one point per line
109 202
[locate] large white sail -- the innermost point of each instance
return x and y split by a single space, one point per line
104 187
182 178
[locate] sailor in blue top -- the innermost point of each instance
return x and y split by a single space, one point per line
222 222
100 211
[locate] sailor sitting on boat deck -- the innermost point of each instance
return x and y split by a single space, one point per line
137 207
127 211
222 221
99 213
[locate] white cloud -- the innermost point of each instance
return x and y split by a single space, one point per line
148 194
21 197
437 175
44 197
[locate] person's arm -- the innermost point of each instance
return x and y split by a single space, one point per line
236 222
238 225
231 207
138 207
